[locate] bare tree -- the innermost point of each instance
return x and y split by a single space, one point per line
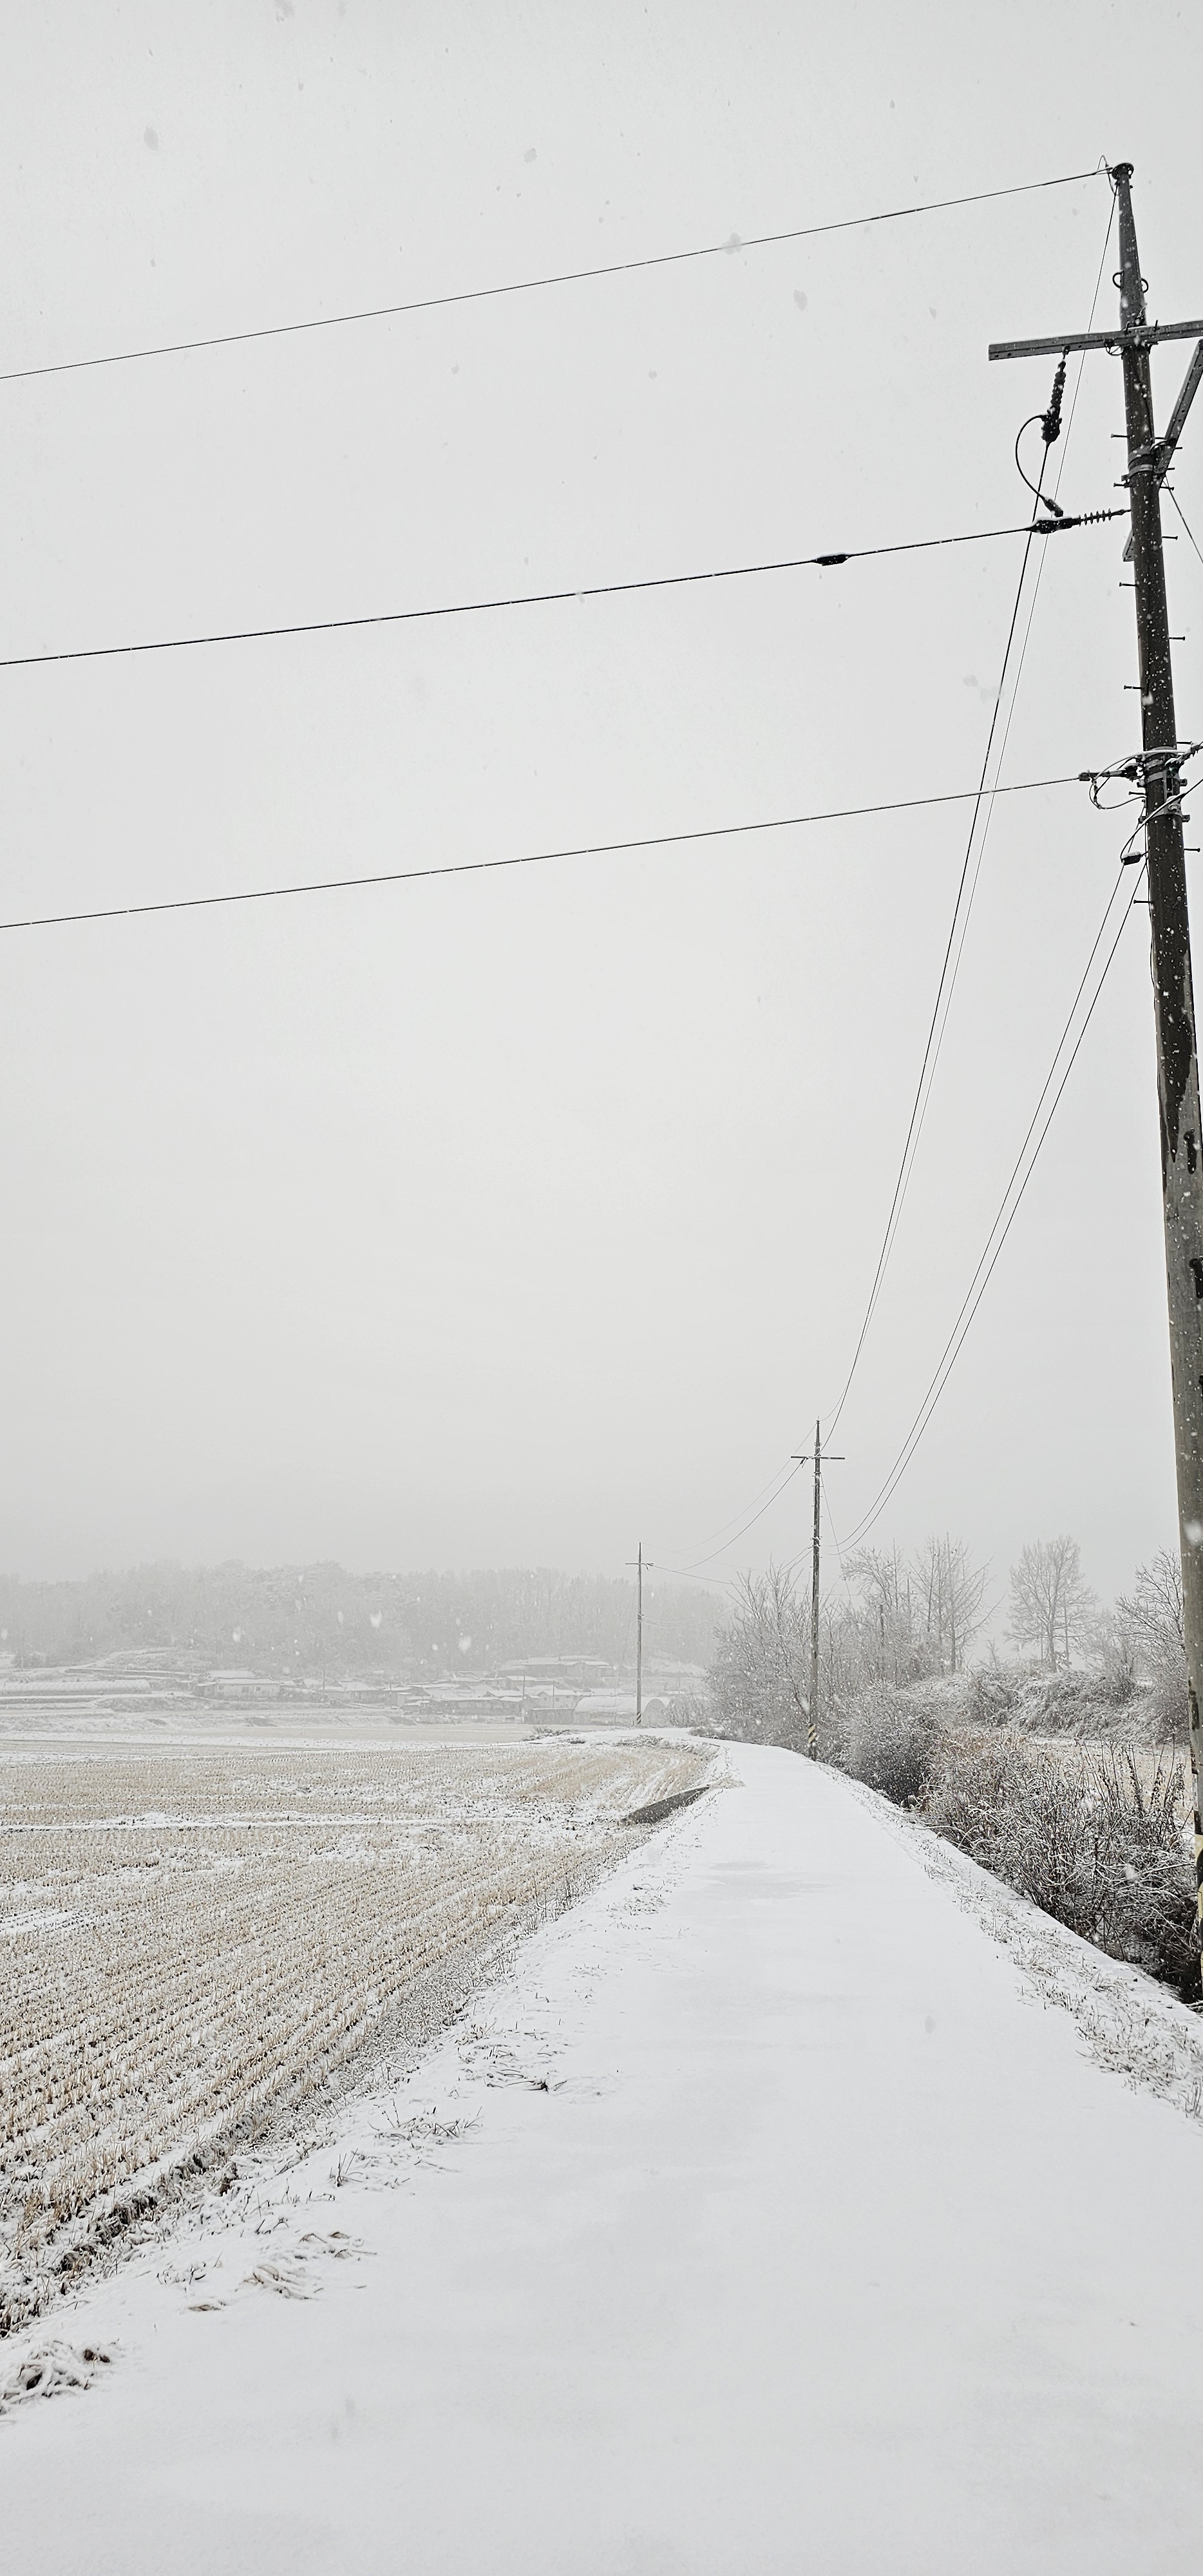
877 1633
1154 1610
901 1621
1051 1600
951 1589
917 1615
760 1677
1152 1615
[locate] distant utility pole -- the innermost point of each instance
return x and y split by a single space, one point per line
1159 766
812 1714
641 1561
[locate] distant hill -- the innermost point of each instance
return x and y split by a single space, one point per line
424 1624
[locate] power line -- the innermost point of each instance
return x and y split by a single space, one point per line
910 1141
984 835
906 1170
720 1582
543 598
957 1337
748 1524
947 981
724 1526
834 1534
525 858
532 285
950 1354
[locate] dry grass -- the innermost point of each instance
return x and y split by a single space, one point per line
196 1940
1149 1761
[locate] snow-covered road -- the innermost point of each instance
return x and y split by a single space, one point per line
826 2248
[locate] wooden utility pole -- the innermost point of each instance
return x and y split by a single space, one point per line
1159 766
812 1713
641 1561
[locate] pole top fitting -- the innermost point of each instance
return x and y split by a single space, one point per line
1122 169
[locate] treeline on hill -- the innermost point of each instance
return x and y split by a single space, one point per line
422 1623
1092 1829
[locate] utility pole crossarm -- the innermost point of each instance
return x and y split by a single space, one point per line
1142 336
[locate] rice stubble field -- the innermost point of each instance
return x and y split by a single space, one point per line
201 1939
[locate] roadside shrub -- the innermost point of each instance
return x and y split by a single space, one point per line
1063 1704
976 1782
1084 1838
693 1709
1117 1679
1150 1893
993 1693
888 1739
1165 1704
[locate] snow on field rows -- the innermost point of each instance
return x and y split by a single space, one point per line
196 1941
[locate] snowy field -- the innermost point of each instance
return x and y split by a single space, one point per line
195 1942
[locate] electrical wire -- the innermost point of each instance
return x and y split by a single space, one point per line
834 1533
724 1526
539 598
951 1354
947 980
1035 488
984 834
936 1385
1038 495
910 1140
748 1524
982 1275
720 1582
532 285
523 859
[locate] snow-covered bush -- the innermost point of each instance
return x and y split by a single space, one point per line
1063 1703
992 1696
1116 1673
1148 1884
1081 1835
977 1782
1032 1699
1166 1708
889 1738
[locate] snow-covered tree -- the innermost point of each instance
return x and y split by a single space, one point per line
760 1677
951 1589
1153 1618
1051 1600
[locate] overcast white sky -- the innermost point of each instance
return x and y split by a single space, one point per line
513 1218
